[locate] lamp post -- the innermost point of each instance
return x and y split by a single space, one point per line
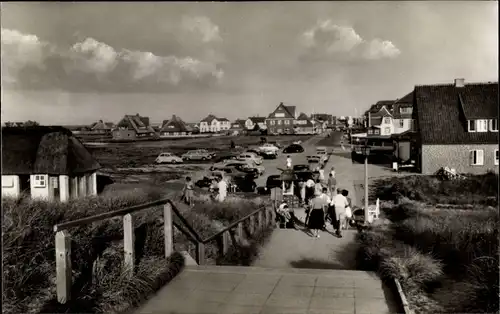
366 152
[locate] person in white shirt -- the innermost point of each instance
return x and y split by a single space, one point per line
309 189
333 171
288 162
322 174
222 186
340 204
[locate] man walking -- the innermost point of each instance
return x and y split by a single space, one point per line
288 162
340 204
331 185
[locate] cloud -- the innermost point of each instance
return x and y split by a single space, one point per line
327 39
90 64
202 26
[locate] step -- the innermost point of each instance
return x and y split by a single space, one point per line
239 289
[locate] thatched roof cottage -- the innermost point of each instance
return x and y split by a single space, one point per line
132 126
174 127
46 162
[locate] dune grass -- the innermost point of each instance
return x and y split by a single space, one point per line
99 285
446 259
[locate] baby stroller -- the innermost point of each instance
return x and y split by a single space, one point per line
285 217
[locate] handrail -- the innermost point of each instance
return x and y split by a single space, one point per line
231 226
185 222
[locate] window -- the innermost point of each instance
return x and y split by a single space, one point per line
471 125
401 123
387 120
496 157
387 131
482 125
279 115
408 110
273 122
494 125
286 122
279 122
280 130
476 157
377 131
370 131
39 181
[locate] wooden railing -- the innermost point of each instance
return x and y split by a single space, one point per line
265 216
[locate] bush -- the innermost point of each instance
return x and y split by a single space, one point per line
475 189
446 260
97 249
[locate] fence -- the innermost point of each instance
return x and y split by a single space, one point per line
265 216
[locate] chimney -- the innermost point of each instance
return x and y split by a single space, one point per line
459 82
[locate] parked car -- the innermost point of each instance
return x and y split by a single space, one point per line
301 168
227 157
268 147
294 148
313 159
245 183
269 155
273 181
250 157
197 155
203 150
239 165
168 158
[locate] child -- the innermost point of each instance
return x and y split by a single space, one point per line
188 191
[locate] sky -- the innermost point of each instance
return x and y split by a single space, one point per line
75 62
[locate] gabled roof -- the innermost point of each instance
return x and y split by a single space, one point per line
174 125
289 111
383 112
100 125
407 99
257 119
137 123
443 110
44 150
209 119
223 119
303 116
321 116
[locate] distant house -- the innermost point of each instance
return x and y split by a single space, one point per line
133 127
175 127
237 127
213 124
252 121
458 126
280 121
46 162
403 114
303 125
381 120
319 126
101 127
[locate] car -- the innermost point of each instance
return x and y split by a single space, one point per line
301 168
248 156
268 147
226 157
202 150
268 155
168 158
313 158
298 142
277 144
245 183
240 165
273 181
197 155
294 148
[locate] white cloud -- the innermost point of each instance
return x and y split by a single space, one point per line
119 68
327 39
202 26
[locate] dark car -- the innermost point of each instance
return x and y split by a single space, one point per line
294 148
245 183
300 168
268 155
204 183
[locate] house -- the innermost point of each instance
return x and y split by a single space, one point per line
46 162
303 125
132 127
101 127
213 124
322 117
238 127
319 126
458 126
281 120
252 121
403 114
174 127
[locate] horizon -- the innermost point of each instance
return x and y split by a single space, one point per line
68 64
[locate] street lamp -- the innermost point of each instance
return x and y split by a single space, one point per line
365 150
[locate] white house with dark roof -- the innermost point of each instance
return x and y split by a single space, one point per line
46 162
213 124
458 126
303 125
252 121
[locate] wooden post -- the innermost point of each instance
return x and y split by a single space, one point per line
128 244
225 242
63 266
239 231
251 227
200 253
259 220
168 230
266 216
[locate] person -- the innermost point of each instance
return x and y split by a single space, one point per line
318 187
222 187
188 191
286 216
288 162
317 215
309 189
348 210
331 184
322 174
340 204
328 200
302 191
332 172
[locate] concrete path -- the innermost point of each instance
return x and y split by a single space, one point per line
249 290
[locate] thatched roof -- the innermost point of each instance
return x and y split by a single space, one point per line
175 125
44 150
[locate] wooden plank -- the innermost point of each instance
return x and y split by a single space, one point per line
63 266
251 226
168 229
225 242
128 245
266 217
259 220
239 231
200 253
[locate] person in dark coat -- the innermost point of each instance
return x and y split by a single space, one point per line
317 216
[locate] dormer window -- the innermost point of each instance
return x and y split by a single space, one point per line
471 125
387 120
482 125
494 125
